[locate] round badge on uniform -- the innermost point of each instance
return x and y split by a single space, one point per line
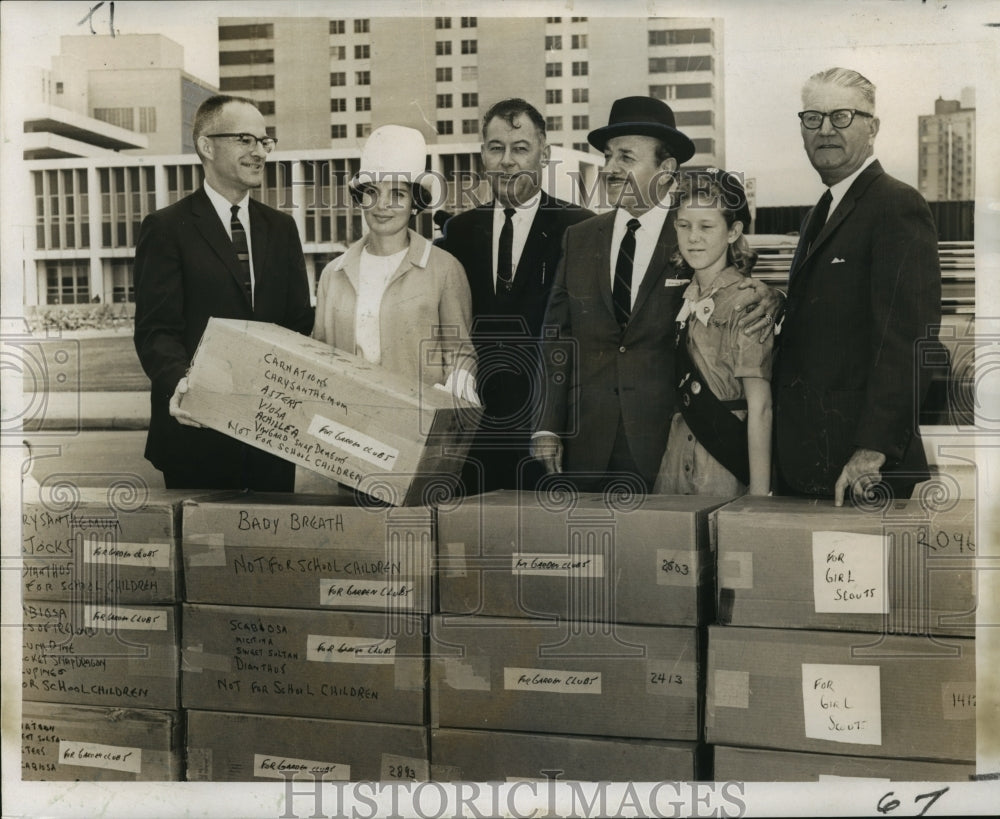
686 399
695 387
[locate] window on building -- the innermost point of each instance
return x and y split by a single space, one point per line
362 103
469 22
442 22
147 120
338 78
668 65
266 107
581 146
580 69
362 51
553 96
579 41
59 88
361 26
470 72
443 74
362 78
470 126
442 48
694 117
338 105
445 126
553 42
680 36
553 123
580 122
253 83
470 100
470 46
258 56
553 19
704 146
444 100
337 26
338 131
67 282
362 129
581 95
251 31
553 69
122 117
338 53
578 19
122 285
689 91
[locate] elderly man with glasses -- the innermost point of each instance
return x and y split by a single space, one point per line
216 253
864 289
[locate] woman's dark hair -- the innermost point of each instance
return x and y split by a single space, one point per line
418 193
725 191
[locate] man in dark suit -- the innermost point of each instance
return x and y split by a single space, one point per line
217 253
610 394
865 287
510 272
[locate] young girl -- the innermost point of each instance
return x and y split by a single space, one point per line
720 439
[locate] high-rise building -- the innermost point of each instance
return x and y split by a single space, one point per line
947 157
440 74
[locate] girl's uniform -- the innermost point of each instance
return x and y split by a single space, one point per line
724 354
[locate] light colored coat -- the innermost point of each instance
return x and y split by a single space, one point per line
424 316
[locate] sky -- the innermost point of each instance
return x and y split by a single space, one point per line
913 51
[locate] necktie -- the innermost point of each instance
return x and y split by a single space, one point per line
622 291
816 221
505 255
242 251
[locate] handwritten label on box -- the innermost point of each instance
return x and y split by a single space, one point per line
94 755
110 618
558 565
155 555
552 681
404 768
958 700
275 766
372 594
842 703
849 573
676 568
353 442
323 649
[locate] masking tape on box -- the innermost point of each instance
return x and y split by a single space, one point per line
395 768
411 673
195 659
466 673
160 661
205 549
455 563
199 765
736 570
154 554
731 689
97 755
447 773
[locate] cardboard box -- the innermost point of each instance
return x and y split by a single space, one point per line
839 693
562 677
803 563
308 552
232 747
84 654
518 554
759 765
328 664
329 411
498 756
117 544
100 744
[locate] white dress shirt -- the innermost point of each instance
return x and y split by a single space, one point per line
648 233
223 207
521 221
838 190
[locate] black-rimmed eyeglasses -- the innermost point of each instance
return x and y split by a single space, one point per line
841 118
249 140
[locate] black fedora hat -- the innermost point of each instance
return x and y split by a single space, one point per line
644 116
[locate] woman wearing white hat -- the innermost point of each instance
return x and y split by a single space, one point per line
393 298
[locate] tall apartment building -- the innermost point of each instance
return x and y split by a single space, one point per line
440 74
947 156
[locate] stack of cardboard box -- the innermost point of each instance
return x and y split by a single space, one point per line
305 639
100 674
568 639
845 646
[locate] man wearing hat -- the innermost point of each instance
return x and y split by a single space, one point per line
609 376
510 250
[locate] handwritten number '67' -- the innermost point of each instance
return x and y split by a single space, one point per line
887 805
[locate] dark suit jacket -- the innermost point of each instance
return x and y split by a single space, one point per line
506 327
185 272
858 303
605 372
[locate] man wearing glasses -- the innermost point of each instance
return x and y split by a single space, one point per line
216 252
864 288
